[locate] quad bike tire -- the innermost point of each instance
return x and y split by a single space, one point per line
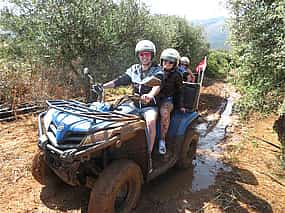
188 149
40 170
119 175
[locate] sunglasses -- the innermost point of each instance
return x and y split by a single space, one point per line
186 65
168 62
145 54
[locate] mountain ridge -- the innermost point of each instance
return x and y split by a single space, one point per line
215 31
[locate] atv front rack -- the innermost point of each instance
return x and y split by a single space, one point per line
83 110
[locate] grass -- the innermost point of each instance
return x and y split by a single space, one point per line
254 143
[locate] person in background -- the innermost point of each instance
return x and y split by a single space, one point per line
188 76
170 90
147 107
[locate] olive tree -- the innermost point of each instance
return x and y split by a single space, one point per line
62 37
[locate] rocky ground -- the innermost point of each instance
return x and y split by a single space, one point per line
246 176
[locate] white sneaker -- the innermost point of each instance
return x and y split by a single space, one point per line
162 147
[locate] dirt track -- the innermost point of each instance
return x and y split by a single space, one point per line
250 180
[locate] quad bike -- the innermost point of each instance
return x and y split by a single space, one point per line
105 147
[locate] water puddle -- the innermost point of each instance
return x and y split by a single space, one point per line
208 163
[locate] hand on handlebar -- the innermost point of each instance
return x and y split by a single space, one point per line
97 87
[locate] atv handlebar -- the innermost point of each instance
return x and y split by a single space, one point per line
97 93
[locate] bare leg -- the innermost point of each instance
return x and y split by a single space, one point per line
165 111
150 118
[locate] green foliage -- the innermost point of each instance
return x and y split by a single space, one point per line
254 143
101 34
258 41
58 32
219 63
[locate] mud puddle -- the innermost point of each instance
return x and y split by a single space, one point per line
212 133
176 183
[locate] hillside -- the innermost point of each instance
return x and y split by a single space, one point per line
215 31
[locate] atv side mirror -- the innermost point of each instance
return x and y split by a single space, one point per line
87 75
91 92
151 81
85 71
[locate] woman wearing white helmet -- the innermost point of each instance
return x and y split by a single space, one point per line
185 70
171 88
145 51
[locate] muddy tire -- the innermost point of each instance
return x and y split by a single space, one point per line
40 170
188 149
117 189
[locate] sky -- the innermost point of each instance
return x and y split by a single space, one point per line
190 9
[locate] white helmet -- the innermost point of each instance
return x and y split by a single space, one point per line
185 60
170 54
145 45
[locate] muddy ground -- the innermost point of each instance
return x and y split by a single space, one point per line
239 173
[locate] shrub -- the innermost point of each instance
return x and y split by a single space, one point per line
219 63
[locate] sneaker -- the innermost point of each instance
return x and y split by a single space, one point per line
162 147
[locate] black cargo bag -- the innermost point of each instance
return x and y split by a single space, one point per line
190 93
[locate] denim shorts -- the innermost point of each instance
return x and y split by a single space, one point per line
141 111
166 99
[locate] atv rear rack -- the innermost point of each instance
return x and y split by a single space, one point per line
83 110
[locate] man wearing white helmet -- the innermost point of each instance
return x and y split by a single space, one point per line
185 70
145 51
170 90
